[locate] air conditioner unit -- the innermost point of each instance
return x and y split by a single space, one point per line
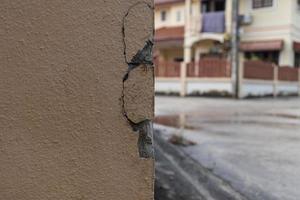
247 19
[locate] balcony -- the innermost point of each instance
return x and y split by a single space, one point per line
213 22
210 20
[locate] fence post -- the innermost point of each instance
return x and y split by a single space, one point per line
197 62
299 81
183 69
241 74
275 80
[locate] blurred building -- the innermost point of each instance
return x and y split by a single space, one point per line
192 52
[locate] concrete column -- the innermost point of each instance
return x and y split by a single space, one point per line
241 74
188 17
75 118
187 60
187 54
235 49
197 60
275 81
228 15
196 17
299 82
183 79
287 55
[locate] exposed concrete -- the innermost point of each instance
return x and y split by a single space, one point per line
138 82
138 29
138 106
138 91
63 133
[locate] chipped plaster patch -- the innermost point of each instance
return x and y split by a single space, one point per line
138 90
138 82
137 32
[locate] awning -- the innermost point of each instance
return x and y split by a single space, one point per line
267 45
163 2
297 46
169 34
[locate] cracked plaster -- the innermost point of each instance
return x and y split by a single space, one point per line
62 129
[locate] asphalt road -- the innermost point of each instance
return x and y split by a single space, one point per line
252 145
179 177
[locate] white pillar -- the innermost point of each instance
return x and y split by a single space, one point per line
228 15
188 8
299 82
287 55
241 74
275 80
197 60
187 54
187 60
187 48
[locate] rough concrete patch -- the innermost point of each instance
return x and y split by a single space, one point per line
145 143
139 90
137 32
138 82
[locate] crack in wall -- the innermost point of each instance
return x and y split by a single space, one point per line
123 26
142 58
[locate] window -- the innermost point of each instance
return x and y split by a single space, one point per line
178 59
204 6
163 16
266 56
297 59
178 16
212 6
220 6
262 3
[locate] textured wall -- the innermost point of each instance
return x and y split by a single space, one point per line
76 80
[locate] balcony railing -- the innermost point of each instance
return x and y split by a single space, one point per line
212 22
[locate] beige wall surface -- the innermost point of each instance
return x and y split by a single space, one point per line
268 23
273 23
295 21
75 79
175 15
